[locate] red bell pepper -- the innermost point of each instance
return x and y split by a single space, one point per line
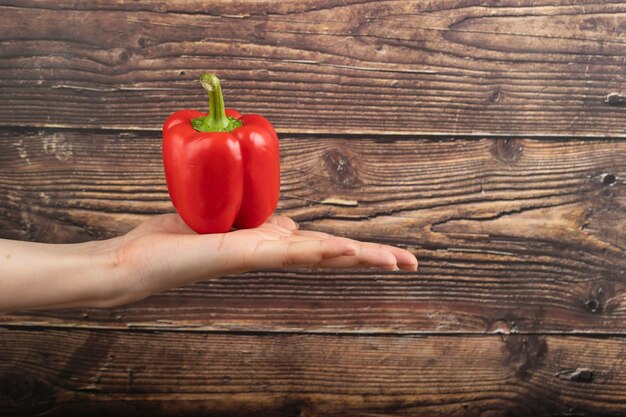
222 169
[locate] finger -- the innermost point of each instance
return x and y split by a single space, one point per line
404 259
368 257
312 234
375 256
341 262
282 253
283 221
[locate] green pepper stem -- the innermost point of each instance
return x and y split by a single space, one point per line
216 121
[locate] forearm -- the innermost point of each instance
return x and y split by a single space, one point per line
37 275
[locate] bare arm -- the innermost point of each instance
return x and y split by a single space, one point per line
38 275
164 253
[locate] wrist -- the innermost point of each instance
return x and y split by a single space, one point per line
63 276
107 277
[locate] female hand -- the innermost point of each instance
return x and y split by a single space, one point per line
163 253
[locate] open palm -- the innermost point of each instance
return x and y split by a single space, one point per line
164 252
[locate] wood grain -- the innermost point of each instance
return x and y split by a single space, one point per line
512 235
442 67
71 373
427 125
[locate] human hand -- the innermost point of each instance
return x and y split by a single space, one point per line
164 252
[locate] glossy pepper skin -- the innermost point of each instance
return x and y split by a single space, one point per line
222 169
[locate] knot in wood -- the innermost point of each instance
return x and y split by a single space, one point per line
615 99
120 55
13 386
589 24
507 150
576 375
608 179
596 300
19 388
593 305
340 168
525 353
295 407
495 95
502 326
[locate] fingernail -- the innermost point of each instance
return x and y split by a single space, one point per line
297 225
396 268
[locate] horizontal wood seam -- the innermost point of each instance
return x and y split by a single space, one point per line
329 135
152 330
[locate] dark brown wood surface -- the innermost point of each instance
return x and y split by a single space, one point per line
77 372
517 235
449 66
428 125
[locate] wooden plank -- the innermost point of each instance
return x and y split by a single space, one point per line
69 373
512 235
444 66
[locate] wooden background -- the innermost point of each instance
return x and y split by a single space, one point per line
489 138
